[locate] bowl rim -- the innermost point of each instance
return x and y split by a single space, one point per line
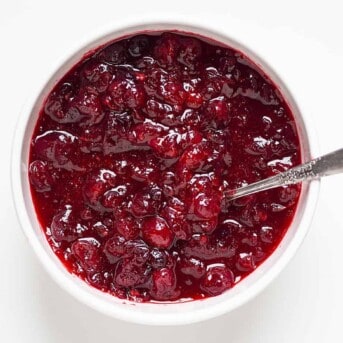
71 285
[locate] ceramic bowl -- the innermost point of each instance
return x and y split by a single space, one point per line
151 313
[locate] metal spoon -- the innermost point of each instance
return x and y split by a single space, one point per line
329 164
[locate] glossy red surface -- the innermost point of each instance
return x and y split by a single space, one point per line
130 156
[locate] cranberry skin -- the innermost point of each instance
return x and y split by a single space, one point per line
124 94
173 143
138 295
87 253
127 274
56 105
245 262
195 156
138 251
40 177
164 284
205 247
96 185
97 75
64 226
218 109
114 197
205 226
91 139
167 146
217 280
192 266
207 207
172 93
57 147
266 234
155 80
127 227
156 109
87 103
213 83
194 100
157 233
115 248
146 202
145 171
54 108
101 229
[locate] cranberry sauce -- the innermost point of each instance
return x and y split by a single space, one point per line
130 157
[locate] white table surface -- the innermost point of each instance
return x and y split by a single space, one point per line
304 44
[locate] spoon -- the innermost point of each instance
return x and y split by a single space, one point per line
328 164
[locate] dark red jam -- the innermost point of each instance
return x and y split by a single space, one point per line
130 156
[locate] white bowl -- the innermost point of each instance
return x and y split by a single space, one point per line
149 313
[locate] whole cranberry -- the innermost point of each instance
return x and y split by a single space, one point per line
64 226
172 93
164 284
207 206
157 233
57 147
217 280
87 253
195 156
194 100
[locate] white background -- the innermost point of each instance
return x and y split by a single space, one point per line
303 43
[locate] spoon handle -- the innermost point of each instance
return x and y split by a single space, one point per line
329 164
